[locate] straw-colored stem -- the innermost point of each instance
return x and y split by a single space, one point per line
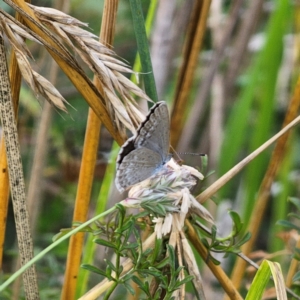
293 268
190 60
104 285
264 192
4 193
15 79
16 177
89 156
69 66
211 190
216 269
207 83
245 31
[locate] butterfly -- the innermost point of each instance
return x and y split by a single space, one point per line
147 151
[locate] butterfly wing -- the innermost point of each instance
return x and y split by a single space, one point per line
154 132
145 152
136 166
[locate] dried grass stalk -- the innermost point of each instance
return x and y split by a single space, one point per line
37 83
102 61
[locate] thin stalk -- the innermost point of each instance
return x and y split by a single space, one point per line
143 48
67 63
15 79
16 177
90 245
52 246
137 67
186 75
211 190
208 77
89 157
216 269
264 192
293 268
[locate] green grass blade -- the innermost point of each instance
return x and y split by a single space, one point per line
262 278
90 246
280 204
143 48
148 24
259 91
269 62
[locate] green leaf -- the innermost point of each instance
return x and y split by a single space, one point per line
121 208
296 254
244 240
296 277
137 280
129 288
213 233
128 224
294 215
205 243
156 251
108 271
295 201
93 269
214 260
236 221
260 282
184 281
111 265
144 286
204 164
130 246
288 225
105 243
262 278
152 271
143 48
162 263
172 258
126 277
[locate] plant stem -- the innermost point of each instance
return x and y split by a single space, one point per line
143 48
52 246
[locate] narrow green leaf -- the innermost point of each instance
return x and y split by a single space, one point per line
184 281
259 282
236 221
268 64
288 225
162 263
93 269
129 288
296 277
172 259
295 201
143 48
262 278
294 215
153 271
130 246
138 281
101 204
110 265
244 240
105 243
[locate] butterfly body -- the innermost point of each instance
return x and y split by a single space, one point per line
147 151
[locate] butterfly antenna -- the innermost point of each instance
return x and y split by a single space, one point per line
185 153
191 153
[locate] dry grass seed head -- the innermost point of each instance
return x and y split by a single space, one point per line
103 62
36 82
